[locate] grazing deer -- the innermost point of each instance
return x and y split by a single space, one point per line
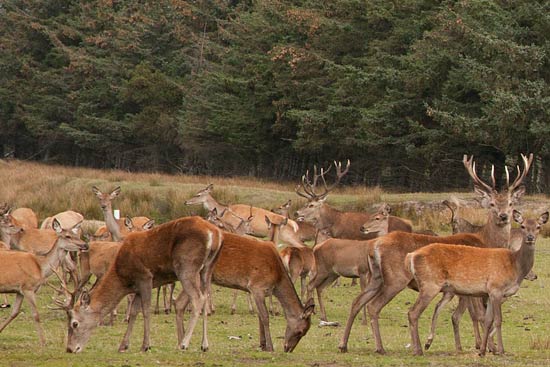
23 272
184 249
386 255
242 228
234 213
455 269
254 266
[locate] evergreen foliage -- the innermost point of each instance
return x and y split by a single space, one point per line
268 88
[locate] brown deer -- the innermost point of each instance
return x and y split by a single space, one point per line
23 272
254 266
26 217
387 254
241 228
184 249
455 269
234 213
306 231
105 201
67 218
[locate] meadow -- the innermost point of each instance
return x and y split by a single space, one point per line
234 338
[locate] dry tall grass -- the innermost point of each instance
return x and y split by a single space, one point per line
49 189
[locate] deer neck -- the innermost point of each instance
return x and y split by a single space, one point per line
287 296
107 294
524 258
328 216
210 204
111 223
495 235
51 260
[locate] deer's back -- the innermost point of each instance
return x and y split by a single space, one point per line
26 217
246 261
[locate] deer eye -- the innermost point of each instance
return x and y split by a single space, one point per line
74 324
522 227
492 205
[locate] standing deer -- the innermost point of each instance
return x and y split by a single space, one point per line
254 266
233 214
455 269
241 228
306 231
387 254
23 272
184 249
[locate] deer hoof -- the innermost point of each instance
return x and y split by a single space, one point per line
123 348
204 348
343 348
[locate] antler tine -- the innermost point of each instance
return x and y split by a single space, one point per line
339 175
507 176
493 181
527 161
470 166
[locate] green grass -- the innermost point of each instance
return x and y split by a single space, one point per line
526 321
49 190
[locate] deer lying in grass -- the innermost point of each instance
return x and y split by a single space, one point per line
23 273
234 213
254 266
455 269
184 249
386 255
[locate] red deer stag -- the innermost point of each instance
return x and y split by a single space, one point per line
254 266
470 271
23 272
234 213
184 249
387 254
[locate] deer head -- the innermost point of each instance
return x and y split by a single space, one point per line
201 196
297 327
283 209
311 212
530 228
379 222
81 322
499 203
69 239
105 199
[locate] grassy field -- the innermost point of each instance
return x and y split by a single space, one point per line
52 189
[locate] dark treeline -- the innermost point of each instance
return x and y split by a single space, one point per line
268 88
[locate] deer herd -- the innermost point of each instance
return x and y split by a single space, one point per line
481 265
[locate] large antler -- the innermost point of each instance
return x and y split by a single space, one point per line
527 161
70 297
471 168
309 187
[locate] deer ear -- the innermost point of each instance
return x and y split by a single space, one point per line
543 218
128 222
147 226
309 307
518 218
485 197
84 298
268 221
56 226
115 192
214 212
209 188
517 194
96 191
288 203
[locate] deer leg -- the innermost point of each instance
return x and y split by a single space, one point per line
31 299
263 316
463 303
425 296
497 323
132 315
353 282
192 287
234 303
130 299
487 324
180 305
157 306
14 312
476 309
6 303
273 307
363 284
326 282
250 303
303 287
145 293
442 302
